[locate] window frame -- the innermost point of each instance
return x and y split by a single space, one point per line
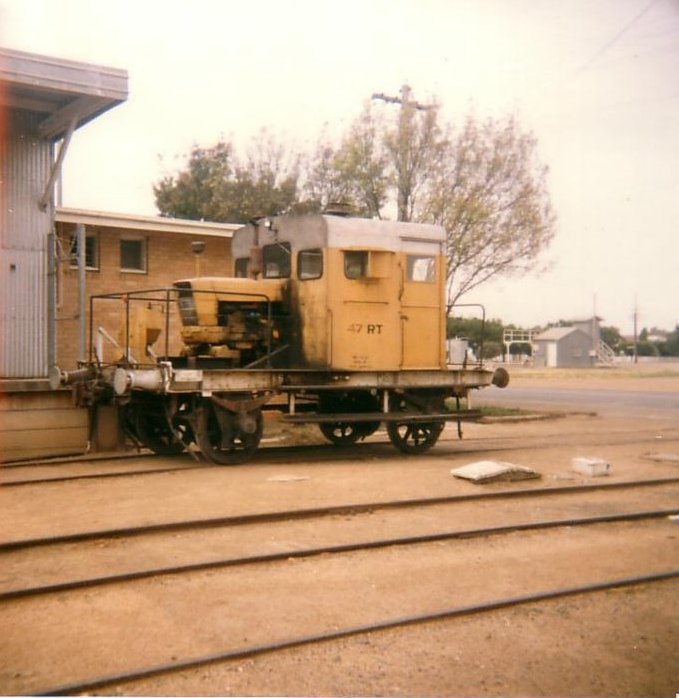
143 241
412 259
316 251
287 268
241 267
365 255
73 250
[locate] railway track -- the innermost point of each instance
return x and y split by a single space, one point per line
307 453
134 606
448 613
319 512
334 550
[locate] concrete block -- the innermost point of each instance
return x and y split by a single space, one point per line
590 466
494 470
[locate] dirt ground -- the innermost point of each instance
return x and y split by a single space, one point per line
622 642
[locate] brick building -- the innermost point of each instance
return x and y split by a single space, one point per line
126 253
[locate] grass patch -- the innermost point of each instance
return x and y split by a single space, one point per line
495 411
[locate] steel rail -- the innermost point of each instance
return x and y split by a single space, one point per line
332 549
95 476
64 461
351 631
317 512
275 454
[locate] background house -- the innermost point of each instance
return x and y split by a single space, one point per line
562 347
577 345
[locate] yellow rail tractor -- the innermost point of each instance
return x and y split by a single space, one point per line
334 320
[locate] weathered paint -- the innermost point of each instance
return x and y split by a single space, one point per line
384 319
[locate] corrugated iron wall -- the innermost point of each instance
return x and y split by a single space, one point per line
24 231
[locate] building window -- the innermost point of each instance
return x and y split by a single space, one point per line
133 254
310 264
421 268
91 251
276 260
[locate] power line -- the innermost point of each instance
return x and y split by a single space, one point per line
615 38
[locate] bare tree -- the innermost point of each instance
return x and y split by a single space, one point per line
490 194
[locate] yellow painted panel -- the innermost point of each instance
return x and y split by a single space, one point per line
365 324
422 308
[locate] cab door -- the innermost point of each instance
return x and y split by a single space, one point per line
363 310
422 315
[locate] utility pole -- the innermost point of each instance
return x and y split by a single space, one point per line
636 315
404 100
408 106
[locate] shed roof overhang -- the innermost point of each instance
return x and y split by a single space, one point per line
66 93
157 224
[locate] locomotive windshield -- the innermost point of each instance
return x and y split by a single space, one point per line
276 260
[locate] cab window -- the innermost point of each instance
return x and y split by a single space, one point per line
355 264
421 268
276 260
242 267
310 264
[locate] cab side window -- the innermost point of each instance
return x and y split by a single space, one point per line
310 264
276 260
355 264
421 268
242 267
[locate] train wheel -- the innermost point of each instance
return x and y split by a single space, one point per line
341 433
414 437
153 430
225 439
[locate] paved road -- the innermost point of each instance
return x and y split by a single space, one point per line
611 401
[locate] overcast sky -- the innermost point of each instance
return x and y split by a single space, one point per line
597 81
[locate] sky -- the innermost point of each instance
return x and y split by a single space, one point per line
596 81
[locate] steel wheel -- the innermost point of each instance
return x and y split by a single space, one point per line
154 432
222 437
414 437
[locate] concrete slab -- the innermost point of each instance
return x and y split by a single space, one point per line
493 471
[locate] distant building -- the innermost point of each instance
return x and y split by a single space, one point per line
578 345
568 347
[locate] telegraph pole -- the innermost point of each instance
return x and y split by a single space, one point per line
636 316
407 106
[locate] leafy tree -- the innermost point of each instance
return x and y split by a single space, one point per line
491 197
646 348
612 337
488 333
217 185
672 343
481 181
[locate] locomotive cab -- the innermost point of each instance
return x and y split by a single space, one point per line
364 294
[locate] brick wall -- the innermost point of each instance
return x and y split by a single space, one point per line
168 258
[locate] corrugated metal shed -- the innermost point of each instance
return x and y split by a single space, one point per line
42 100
